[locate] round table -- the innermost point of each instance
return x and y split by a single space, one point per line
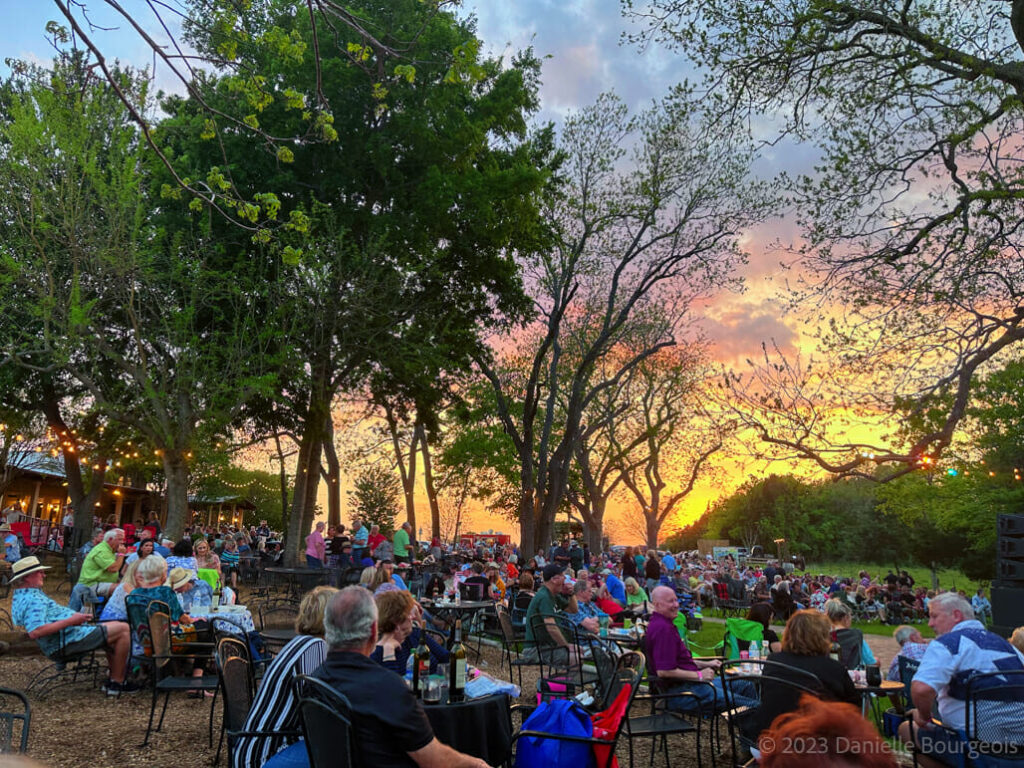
293 576
479 727
239 621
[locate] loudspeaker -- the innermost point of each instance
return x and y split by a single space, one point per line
1010 549
1007 608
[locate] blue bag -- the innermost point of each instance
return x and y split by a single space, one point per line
562 716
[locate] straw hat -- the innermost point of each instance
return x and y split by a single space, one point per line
178 577
25 566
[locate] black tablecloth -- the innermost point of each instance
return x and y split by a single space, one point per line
479 727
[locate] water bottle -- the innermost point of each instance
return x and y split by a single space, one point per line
755 655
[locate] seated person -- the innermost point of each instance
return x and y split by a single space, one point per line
806 643
912 646
982 607
962 646
100 570
762 614
476 584
854 649
60 631
581 610
390 727
1017 639
275 709
635 594
400 623
672 664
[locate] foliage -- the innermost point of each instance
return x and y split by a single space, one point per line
910 218
375 497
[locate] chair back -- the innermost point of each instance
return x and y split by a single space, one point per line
326 717
508 632
278 616
15 719
210 576
907 668
850 644
994 715
779 688
628 669
741 629
473 591
234 672
158 615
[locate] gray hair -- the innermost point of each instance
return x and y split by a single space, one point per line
152 568
837 610
349 618
580 585
951 601
112 534
902 633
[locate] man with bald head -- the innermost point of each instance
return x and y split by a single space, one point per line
391 728
670 661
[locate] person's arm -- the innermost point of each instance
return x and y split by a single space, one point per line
923 696
44 630
438 755
691 675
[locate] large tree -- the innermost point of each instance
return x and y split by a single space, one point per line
402 214
647 216
911 217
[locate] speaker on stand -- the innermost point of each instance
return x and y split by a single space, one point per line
1008 587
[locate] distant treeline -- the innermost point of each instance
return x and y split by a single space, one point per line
932 520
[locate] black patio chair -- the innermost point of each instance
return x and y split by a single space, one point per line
740 719
632 675
326 717
994 719
167 654
67 666
15 721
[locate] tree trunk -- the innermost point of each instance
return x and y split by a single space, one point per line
593 524
333 475
307 478
284 483
653 528
428 480
527 532
406 470
176 474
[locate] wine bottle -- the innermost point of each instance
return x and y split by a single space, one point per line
834 652
457 667
420 666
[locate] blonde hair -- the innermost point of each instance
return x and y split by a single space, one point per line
392 609
128 579
366 577
310 619
1017 639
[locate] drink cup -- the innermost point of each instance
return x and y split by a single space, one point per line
604 626
873 675
432 689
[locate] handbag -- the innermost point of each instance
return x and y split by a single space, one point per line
606 725
561 716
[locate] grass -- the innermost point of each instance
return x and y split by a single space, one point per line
712 631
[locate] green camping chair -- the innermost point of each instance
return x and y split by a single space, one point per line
210 576
741 629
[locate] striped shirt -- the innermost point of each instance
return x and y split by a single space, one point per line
275 707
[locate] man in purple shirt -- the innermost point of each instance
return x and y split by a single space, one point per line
671 662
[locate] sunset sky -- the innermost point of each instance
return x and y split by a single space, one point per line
581 44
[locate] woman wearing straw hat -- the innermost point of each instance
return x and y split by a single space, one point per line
60 632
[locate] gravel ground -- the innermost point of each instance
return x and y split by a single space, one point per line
78 726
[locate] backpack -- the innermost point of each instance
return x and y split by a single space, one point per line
563 716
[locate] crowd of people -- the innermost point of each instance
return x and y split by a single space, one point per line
361 637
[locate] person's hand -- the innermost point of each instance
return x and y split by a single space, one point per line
713 664
591 624
185 619
80 618
122 550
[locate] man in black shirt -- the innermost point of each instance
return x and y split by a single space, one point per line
390 727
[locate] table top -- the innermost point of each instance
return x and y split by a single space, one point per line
292 571
886 685
471 605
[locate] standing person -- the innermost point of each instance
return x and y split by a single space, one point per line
629 568
12 547
360 537
315 547
652 570
390 727
400 542
962 647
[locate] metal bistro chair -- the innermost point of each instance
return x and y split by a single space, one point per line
13 739
326 717
994 719
277 625
799 682
162 678
661 722
630 671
